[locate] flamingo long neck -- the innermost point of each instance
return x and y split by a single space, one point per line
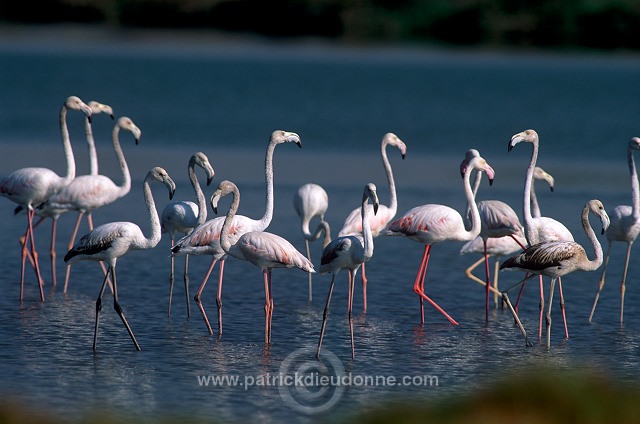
68 151
526 198
202 206
535 208
594 264
154 239
93 156
471 201
367 253
125 187
476 186
635 192
393 198
264 222
225 241
322 229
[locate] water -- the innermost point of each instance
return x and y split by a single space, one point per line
225 99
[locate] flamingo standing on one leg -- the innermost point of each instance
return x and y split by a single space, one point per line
349 252
310 201
181 217
353 224
29 187
108 242
625 227
264 250
540 229
556 259
432 223
205 238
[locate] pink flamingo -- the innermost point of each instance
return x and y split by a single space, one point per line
349 252
556 259
625 227
433 223
264 250
353 224
110 241
205 238
29 187
539 229
181 217
310 201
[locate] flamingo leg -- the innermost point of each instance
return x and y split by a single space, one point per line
541 307
352 276
562 308
198 301
186 284
219 296
116 306
30 214
69 246
171 278
52 251
22 239
325 316
624 279
98 309
496 292
419 288
553 282
268 305
306 242
364 289
520 293
488 285
518 241
469 273
505 298
601 282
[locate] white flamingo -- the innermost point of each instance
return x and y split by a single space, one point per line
353 224
433 223
181 217
625 227
29 187
264 250
110 241
310 201
86 193
556 259
539 229
43 212
205 238
350 252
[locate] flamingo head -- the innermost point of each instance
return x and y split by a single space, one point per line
529 136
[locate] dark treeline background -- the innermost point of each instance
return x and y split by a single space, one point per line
593 24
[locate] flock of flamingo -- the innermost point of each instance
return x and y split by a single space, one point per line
539 245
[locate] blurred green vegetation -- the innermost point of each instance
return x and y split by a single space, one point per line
593 24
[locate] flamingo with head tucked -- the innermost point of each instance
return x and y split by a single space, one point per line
433 223
353 223
29 187
109 242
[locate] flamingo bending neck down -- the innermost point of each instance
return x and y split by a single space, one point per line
433 223
625 227
29 187
110 241
349 252
205 238
310 201
539 229
353 223
556 259
181 217
264 250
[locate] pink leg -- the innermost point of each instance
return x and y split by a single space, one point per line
52 251
70 245
519 243
488 274
364 289
420 289
186 284
541 309
199 293
34 254
268 305
520 292
219 296
171 280
624 279
564 315
418 284
350 309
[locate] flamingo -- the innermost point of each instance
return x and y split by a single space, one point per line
556 259
353 224
29 187
349 252
539 229
181 217
433 223
110 241
310 201
43 212
264 250
625 226
205 238
539 174
87 193
497 219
